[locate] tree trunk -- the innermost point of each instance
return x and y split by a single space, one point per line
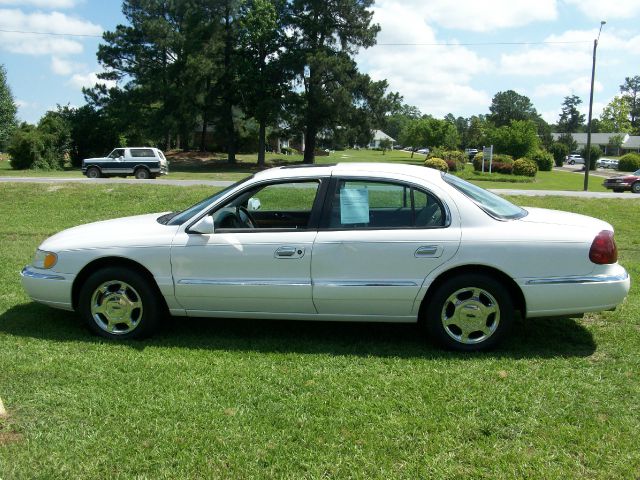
261 143
310 142
205 116
228 102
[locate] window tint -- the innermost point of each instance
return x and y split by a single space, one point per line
142 152
368 204
491 203
279 205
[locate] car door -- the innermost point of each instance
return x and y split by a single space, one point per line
378 241
258 258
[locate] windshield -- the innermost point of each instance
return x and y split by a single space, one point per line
491 203
181 217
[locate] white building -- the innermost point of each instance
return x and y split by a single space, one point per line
630 143
378 136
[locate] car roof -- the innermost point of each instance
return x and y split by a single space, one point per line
355 168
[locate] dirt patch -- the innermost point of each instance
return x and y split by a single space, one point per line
7 438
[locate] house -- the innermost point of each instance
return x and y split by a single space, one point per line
630 143
378 136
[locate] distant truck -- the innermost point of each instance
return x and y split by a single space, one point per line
141 162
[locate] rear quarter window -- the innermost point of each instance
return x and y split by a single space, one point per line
142 152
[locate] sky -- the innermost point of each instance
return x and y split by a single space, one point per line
443 56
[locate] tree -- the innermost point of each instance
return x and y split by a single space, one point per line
8 110
430 132
264 79
478 132
571 120
325 36
630 90
397 121
385 144
510 105
518 139
615 116
559 152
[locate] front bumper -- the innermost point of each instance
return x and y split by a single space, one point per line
47 287
575 294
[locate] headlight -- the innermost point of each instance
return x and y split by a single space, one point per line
44 259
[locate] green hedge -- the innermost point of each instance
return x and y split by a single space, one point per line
629 162
543 159
526 167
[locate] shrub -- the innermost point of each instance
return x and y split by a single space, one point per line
497 158
596 153
525 167
543 159
454 158
437 163
629 162
26 148
559 152
500 167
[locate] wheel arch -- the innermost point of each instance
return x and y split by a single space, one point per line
514 290
103 262
93 165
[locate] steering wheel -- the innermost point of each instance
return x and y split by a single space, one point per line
244 217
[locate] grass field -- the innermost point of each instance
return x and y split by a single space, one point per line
261 399
192 167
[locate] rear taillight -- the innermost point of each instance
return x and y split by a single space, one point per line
603 249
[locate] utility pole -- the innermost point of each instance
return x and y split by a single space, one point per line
587 162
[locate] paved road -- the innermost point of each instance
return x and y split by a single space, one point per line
222 183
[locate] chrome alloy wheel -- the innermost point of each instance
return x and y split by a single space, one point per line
470 315
116 307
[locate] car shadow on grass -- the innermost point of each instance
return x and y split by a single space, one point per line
536 338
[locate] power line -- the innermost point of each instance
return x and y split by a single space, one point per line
434 44
51 33
475 44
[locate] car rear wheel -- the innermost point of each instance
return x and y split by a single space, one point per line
142 174
572 162
119 303
469 312
93 172
635 188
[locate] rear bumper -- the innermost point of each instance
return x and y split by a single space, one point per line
50 288
575 294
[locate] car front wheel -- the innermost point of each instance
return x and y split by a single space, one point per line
572 162
119 303
635 188
469 312
93 172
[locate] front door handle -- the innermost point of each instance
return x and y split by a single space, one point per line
289 252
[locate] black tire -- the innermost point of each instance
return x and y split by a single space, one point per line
93 172
142 173
119 303
635 188
479 295
572 162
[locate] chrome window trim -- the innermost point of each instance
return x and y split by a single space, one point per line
365 283
583 279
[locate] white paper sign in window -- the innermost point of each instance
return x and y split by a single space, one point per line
354 205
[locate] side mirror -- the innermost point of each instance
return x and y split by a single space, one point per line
253 204
203 226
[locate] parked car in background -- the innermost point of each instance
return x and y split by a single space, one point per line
347 242
141 162
630 181
607 163
424 150
471 152
574 158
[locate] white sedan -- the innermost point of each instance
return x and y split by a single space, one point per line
351 242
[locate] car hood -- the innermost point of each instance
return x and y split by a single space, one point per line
620 177
557 217
140 230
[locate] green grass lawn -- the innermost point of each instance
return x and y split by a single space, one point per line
262 399
218 169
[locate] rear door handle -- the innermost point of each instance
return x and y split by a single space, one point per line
289 252
432 251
